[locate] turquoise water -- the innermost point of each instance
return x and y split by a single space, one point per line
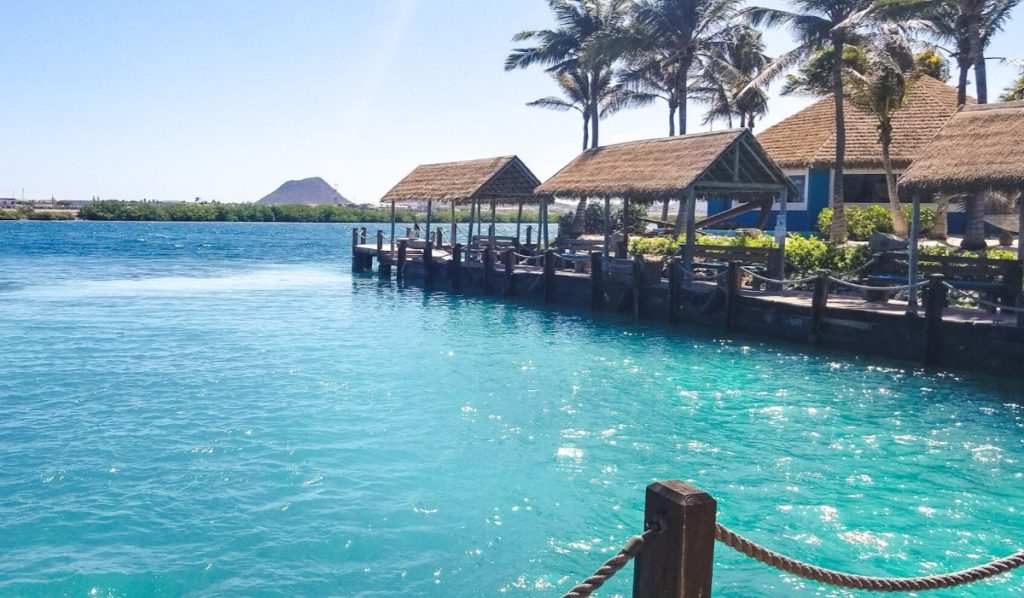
224 410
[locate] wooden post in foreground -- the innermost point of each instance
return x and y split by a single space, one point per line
596 280
819 302
638 268
510 267
677 561
673 290
549 275
733 284
935 302
529 235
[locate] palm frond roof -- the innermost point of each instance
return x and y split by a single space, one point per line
505 179
808 138
978 148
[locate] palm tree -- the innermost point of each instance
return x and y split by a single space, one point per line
572 46
650 75
725 78
674 35
881 89
612 96
820 24
1015 91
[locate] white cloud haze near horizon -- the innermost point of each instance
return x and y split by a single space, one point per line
224 100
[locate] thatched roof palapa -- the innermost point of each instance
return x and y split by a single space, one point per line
978 148
720 163
808 138
505 180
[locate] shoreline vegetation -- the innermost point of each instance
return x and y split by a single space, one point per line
132 211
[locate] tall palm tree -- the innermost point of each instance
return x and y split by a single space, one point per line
647 73
1015 91
612 96
881 89
573 46
724 80
967 27
674 34
820 24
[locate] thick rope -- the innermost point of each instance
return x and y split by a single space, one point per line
528 258
776 281
863 287
608 570
861 582
983 302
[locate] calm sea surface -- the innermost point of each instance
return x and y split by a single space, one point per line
224 410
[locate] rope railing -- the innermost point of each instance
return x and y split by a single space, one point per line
528 258
588 586
864 287
982 302
796 282
862 582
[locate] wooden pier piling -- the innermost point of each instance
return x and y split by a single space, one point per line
455 272
428 262
677 560
549 276
596 280
672 302
357 261
935 302
510 268
733 284
403 248
819 303
488 260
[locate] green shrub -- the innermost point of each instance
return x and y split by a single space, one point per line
655 246
862 221
6 214
805 254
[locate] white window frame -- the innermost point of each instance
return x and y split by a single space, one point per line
802 204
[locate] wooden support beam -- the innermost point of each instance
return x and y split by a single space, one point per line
510 268
819 303
455 268
549 276
638 269
596 280
488 268
392 228
935 303
529 235
915 232
733 286
428 262
519 221
672 302
357 262
690 227
607 225
380 242
677 560
430 216
403 247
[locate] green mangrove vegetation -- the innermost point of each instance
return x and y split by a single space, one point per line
249 212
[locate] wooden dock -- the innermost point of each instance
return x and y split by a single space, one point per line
935 335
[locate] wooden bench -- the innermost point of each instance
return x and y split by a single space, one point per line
998 281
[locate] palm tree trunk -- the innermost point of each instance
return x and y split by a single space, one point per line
595 111
940 229
586 130
579 220
743 121
838 232
664 210
981 77
961 84
899 223
977 55
974 235
684 93
671 118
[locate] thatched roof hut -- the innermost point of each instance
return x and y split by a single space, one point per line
722 162
977 149
808 138
504 180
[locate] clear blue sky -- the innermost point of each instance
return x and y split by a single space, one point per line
228 99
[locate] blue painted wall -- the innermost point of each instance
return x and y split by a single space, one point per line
818 198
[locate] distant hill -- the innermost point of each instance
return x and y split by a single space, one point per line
314 191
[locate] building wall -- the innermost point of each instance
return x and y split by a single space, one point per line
803 217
